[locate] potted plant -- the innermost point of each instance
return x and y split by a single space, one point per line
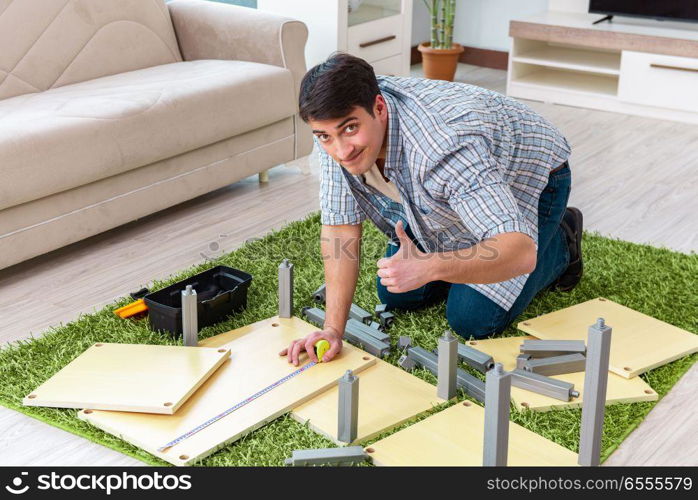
440 55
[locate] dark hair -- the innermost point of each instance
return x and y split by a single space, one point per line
333 88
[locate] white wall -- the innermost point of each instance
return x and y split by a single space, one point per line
569 5
479 23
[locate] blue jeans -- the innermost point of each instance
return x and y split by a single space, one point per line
471 314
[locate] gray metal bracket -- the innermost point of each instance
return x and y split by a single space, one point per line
546 348
360 315
558 389
368 330
347 455
355 333
447 365
521 359
477 359
320 295
376 326
595 385
285 289
472 386
556 365
314 315
386 319
497 407
404 342
379 309
190 317
348 408
407 363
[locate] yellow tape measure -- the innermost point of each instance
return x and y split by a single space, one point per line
321 347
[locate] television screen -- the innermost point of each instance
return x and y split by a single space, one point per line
683 10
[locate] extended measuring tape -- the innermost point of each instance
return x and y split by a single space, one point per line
321 348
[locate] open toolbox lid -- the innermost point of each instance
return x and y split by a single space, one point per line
220 292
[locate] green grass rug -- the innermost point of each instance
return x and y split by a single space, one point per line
655 281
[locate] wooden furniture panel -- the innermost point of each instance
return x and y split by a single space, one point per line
129 377
454 437
619 389
388 396
638 343
254 364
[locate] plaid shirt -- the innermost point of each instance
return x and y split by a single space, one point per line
469 163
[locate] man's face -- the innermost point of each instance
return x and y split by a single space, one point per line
356 140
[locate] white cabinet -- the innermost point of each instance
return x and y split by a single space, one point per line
638 68
658 80
378 31
388 66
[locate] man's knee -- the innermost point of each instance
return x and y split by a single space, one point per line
405 301
475 322
473 315
424 296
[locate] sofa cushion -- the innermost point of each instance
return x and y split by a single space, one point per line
50 43
69 136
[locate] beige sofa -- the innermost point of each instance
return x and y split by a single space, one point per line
113 109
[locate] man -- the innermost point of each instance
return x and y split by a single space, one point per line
470 186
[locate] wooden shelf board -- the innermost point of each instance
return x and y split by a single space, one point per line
253 365
638 343
129 377
454 437
604 86
620 389
388 396
576 59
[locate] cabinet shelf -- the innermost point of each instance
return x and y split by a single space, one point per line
545 78
591 61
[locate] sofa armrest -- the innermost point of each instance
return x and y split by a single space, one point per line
210 30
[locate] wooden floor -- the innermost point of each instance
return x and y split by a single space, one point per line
634 178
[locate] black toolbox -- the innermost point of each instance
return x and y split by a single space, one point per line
220 291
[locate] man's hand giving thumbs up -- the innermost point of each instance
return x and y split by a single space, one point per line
407 269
